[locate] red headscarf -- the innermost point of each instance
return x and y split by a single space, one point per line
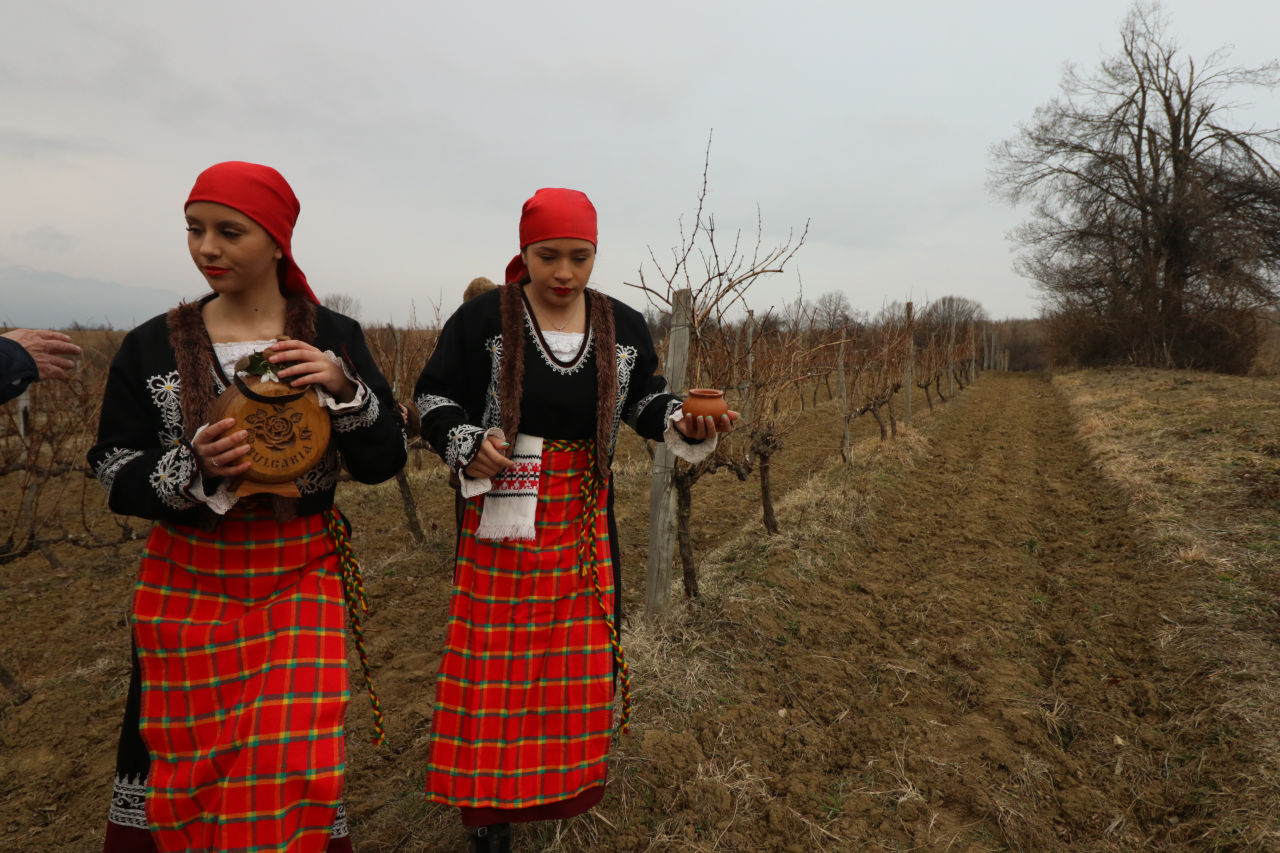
550 215
262 194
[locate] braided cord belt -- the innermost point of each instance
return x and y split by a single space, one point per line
353 586
592 486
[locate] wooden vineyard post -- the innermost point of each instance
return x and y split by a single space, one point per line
973 355
951 353
844 398
662 493
909 380
745 414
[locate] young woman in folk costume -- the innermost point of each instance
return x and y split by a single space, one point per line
233 732
524 396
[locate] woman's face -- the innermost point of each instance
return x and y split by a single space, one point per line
559 269
234 253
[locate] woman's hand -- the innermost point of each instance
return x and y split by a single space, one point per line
221 453
313 368
490 458
703 427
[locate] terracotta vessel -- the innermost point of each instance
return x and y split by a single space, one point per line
707 402
288 432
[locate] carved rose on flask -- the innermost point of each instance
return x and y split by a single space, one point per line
276 428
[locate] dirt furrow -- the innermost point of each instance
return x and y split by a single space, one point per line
975 660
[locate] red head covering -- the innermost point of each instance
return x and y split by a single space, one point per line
550 215
262 194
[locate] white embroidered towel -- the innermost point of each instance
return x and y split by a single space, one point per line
511 505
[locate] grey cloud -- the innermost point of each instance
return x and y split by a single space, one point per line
26 144
46 238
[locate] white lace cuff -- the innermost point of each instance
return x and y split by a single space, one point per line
222 499
680 446
330 402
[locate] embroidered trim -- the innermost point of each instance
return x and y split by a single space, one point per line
172 476
549 359
492 406
166 392
129 802
362 419
110 466
322 477
460 445
340 829
627 357
431 402
633 415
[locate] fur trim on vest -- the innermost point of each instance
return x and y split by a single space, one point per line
193 352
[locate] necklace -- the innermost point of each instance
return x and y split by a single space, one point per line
542 314
559 327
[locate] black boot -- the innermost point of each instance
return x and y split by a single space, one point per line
495 838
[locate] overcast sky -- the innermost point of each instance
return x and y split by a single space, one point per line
413 131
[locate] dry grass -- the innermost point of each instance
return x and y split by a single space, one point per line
905 717
1199 456
684 671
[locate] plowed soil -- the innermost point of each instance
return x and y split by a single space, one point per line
958 642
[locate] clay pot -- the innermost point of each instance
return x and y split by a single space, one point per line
704 402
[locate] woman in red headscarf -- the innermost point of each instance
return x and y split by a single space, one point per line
233 732
523 397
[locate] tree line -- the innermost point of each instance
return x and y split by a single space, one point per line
1154 232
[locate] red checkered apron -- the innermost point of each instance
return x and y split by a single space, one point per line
524 700
241 640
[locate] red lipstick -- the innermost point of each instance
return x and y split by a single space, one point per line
215 271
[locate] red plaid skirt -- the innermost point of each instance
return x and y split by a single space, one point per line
242 645
524 700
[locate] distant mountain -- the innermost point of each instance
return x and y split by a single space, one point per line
48 300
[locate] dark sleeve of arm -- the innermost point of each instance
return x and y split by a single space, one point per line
648 404
441 393
142 476
371 439
17 369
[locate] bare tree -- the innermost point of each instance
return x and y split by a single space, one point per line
343 303
1155 233
717 271
832 312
